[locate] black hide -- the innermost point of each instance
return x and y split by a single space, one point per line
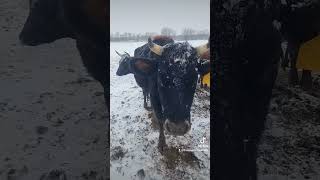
50 20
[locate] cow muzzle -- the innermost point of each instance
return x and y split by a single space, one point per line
177 128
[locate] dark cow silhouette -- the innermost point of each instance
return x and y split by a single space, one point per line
83 20
244 71
299 25
141 81
171 73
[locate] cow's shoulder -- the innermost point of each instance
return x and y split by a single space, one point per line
142 51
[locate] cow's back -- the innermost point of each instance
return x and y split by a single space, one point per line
302 24
88 19
144 50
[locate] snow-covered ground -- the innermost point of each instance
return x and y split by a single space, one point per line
133 140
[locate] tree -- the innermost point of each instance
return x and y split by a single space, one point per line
168 32
187 33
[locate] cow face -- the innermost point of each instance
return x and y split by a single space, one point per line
45 23
124 64
176 73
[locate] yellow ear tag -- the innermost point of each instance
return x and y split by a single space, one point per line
206 80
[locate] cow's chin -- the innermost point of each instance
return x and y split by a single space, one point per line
177 128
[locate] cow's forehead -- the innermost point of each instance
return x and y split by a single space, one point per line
178 50
179 60
177 54
124 59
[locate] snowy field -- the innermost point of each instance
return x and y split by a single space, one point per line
133 139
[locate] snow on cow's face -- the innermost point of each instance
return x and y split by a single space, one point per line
173 73
177 78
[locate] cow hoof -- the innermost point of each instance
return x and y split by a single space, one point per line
54 175
162 146
306 80
293 77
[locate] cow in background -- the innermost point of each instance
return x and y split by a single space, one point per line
142 51
299 25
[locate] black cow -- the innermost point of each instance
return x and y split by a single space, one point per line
142 81
171 72
299 24
246 50
83 20
244 71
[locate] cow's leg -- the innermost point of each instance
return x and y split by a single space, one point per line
162 146
146 101
157 110
252 165
94 61
293 72
201 80
306 80
149 108
285 59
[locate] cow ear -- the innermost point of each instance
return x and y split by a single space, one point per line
204 67
143 67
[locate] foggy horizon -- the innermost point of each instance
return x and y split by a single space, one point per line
141 16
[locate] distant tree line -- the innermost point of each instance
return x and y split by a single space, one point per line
186 34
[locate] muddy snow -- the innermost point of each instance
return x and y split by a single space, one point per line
133 136
290 146
52 113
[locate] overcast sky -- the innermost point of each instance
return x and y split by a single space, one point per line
140 16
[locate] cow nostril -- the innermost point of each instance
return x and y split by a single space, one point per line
177 128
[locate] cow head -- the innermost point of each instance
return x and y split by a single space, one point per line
45 23
176 72
124 65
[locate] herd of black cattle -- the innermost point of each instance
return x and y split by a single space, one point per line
246 47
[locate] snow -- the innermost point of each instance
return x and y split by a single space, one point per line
131 129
